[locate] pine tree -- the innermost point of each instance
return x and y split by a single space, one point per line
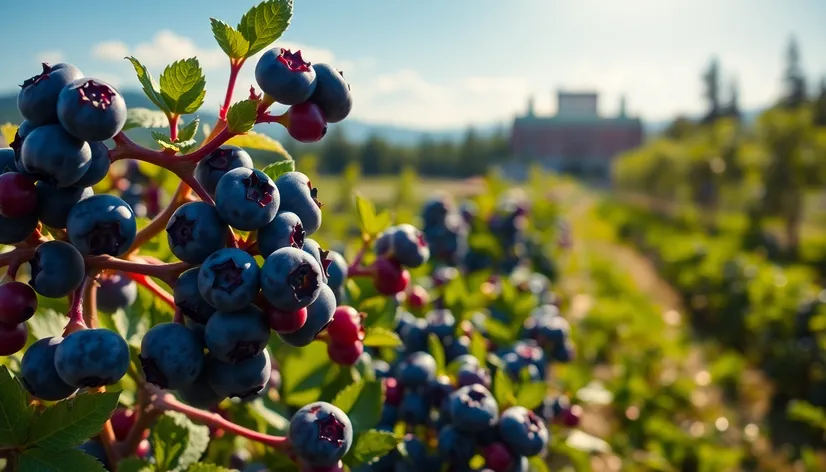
733 106
820 105
794 78
711 80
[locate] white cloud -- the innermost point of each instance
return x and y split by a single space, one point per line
111 50
50 57
166 47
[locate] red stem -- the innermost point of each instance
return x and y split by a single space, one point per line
153 287
166 272
234 69
75 312
360 271
356 269
173 127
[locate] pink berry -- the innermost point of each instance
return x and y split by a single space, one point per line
18 196
143 449
345 354
18 302
346 327
418 297
390 277
393 392
497 457
306 123
12 338
286 323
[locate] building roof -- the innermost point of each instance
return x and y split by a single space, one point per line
576 120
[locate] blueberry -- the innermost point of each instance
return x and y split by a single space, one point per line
455 446
198 329
23 131
38 373
300 197
417 370
247 199
57 269
217 163
15 230
7 162
171 356
244 379
188 298
98 168
238 335
319 315
92 358
463 360
321 256
290 279
409 246
285 76
94 448
199 393
54 204
195 231
53 155
332 93
102 224
414 335
337 270
116 291
473 408
441 323
228 279
470 374
523 431
438 390
414 409
38 97
436 209
416 453
91 109
389 415
320 434
285 230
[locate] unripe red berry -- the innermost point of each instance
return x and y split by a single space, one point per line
12 338
346 327
345 354
122 422
497 457
393 392
390 277
286 323
418 297
305 122
143 449
18 196
570 417
18 302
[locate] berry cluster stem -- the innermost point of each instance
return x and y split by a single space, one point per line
75 313
356 268
234 68
153 287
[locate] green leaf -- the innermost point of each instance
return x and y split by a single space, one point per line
265 23
373 444
177 442
47 323
189 130
272 418
150 87
145 118
362 401
183 86
7 132
381 222
187 145
537 464
367 214
531 395
382 337
164 140
478 346
277 460
230 39
70 460
134 464
438 352
262 142
205 467
279 168
15 412
70 422
303 371
503 389
241 116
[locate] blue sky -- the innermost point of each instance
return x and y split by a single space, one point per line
448 63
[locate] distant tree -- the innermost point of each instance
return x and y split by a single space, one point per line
336 151
376 155
794 78
733 106
680 128
819 116
711 82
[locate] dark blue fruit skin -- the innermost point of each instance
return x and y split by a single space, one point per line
7 163
198 330
319 315
414 335
99 166
37 102
38 374
188 298
435 210
171 355
116 291
199 393
332 93
57 157
384 242
389 415
285 85
25 128
417 370
236 336
57 269
15 230
442 323
95 448
337 271
86 120
228 279
243 379
455 446
409 247
312 248
211 168
414 409
309 440
297 196
92 358
473 408
416 454
195 231
240 205
523 431
470 374
102 224
54 204
276 279
285 230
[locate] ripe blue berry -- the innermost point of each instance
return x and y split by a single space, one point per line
409 246
25 128
457 347
285 230
236 336
188 298
101 224
321 256
414 408
442 323
416 370
389 416
99 166
228 279
285 76
300 197
456 446
470 374
473 409
414 334
15 230
246 199
199 393
220 161
244 379
38 373
57 269
523 431
116 291
53 155
54 204
195 231
171 356
319 314
320 434
290 279
7 163
91 109
37 100
332 93
92 358
336 271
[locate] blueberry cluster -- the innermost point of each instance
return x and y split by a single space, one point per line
445 230
397 248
